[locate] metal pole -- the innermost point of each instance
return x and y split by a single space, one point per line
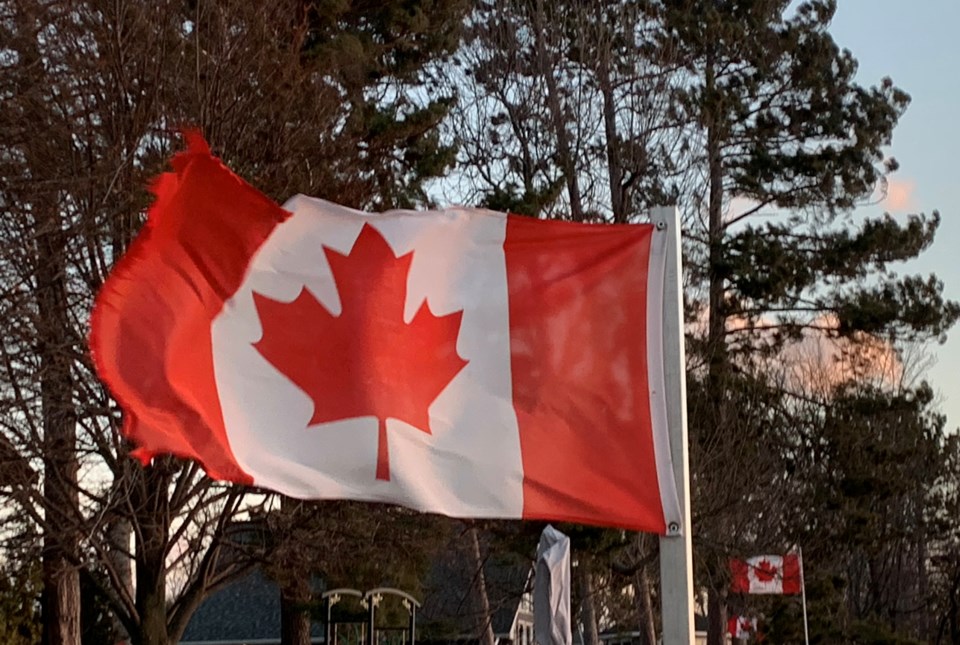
803 596
372 636
676 551
328 628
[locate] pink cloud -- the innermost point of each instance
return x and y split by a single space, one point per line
818 362
900 195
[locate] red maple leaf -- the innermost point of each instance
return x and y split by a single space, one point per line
765 571
367 361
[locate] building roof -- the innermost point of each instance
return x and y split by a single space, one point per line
451 608
246 611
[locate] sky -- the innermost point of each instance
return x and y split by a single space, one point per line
917 44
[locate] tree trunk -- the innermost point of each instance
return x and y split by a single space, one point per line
485 620
151 603
150 556
119 560
716 325
955 609
567 162
588 608
60 599
61 585
716 619
647 623
294 619
614 162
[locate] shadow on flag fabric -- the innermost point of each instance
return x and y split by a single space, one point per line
766 574
551 590
464 362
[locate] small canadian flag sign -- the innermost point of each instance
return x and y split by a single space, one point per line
463 361
766 574
740 627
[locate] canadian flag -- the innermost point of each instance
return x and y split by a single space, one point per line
741 627
464 362
767 574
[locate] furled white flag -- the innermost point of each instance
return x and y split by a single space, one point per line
551 589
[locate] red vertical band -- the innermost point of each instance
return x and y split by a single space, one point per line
577 295
151 325
791 574
739 576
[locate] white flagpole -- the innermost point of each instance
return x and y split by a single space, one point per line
803 596
676 550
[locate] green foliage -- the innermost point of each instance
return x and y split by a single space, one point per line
870 632
356 545
530 201
794 128
381 57
829 621
782 620
870 466
20 586
875 458
786 126
97 622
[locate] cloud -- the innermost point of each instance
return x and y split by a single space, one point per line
737 206
818 362
900 195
